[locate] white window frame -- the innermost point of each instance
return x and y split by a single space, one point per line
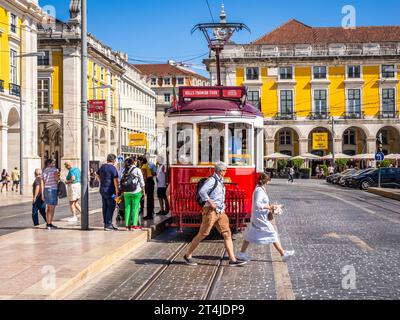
313 99
165 97
252 67
13 15
153 81
293 100
320 66
394 73
49 91
94 70
279 73
183 81
14 69
395 98
348 71
361 99
165 81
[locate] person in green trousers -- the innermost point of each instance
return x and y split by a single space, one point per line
132 186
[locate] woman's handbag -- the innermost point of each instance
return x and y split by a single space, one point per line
271 216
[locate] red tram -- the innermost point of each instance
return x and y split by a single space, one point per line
211 124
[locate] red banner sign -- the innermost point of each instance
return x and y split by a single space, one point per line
201 93
98 106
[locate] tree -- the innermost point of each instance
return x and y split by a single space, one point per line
298 163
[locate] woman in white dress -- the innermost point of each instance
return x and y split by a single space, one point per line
261 230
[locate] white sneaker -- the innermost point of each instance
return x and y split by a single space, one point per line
287 255
243 256
73 219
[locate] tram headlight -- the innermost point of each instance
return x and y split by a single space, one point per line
235 113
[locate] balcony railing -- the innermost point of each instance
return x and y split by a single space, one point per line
388 115
1 85
45 109
353 115
15 90
318 115
351 49
285 116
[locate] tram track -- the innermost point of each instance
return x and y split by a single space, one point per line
157 276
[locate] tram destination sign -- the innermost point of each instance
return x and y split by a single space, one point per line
212 93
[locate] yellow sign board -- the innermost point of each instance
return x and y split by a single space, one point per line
320 141
137 140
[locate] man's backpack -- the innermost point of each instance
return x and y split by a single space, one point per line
129 181
200 185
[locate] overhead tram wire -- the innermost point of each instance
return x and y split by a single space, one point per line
209 9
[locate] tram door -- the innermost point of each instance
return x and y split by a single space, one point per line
259 149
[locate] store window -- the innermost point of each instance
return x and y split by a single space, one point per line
184 142
239 144
211 143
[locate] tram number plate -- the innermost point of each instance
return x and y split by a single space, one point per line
232 93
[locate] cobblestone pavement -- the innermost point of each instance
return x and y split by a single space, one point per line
346 246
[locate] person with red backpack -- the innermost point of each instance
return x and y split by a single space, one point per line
211 195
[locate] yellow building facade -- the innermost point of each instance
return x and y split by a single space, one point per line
308 80
18 45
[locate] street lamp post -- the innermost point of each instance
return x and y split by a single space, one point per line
21 119
84 119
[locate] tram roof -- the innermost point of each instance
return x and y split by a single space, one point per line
213 101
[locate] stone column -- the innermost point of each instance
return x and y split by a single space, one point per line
4 147
338 145
303 146
31 160
371 145
71 108
269 146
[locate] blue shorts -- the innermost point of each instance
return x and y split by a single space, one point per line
51 197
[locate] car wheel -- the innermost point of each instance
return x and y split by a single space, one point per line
365 185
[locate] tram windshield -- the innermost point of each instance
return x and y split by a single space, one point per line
211 143
205 144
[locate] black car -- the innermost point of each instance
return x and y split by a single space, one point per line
346 181
336 177
390 178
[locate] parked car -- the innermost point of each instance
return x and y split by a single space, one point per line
390 178
346 180
341 180
336 177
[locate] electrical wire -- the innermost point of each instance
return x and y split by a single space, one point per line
209 9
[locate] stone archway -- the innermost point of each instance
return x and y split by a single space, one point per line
50 142
13 139
287 142
355 141
391 139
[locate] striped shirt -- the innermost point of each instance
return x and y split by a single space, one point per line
49 178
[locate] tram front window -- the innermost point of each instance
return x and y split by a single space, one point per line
211 143
184 139
239 144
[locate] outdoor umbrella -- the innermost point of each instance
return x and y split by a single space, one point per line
309 156
278 156
366 156
337 156
393 156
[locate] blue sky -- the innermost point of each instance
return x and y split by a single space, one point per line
158 30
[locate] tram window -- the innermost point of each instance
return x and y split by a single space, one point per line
184 139
211 143
239 144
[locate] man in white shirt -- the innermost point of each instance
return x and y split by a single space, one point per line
162 186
